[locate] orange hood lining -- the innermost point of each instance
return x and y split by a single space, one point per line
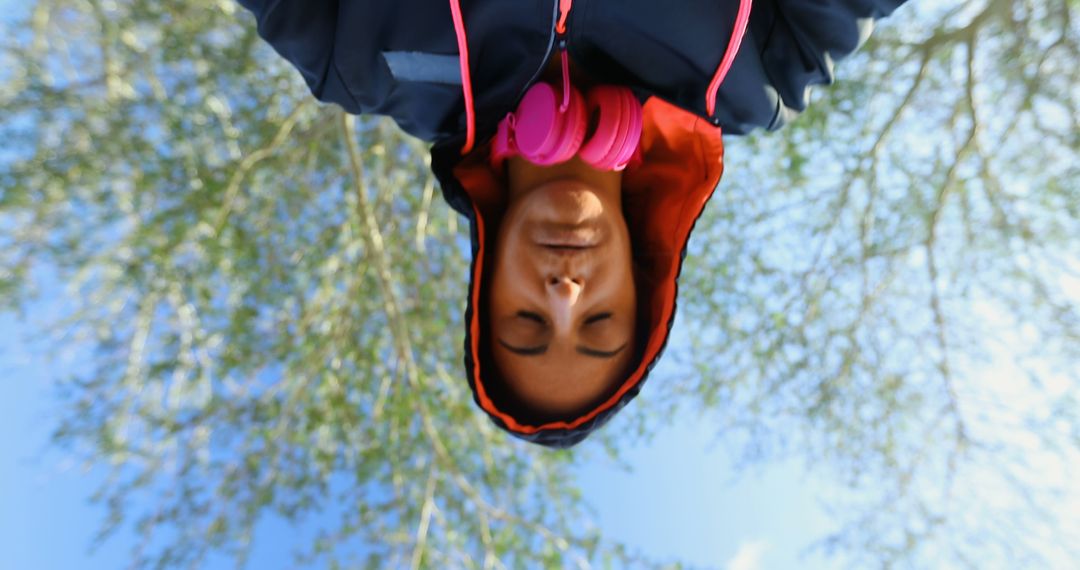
662 199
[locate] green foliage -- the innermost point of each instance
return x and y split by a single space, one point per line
274 295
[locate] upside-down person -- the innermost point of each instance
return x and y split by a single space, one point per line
581 139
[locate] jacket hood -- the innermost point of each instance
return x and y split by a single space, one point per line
663 196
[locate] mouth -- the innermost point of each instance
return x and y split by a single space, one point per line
561 246
558 237
565 251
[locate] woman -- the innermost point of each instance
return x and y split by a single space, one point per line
575 261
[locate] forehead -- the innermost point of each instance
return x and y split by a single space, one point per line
560 380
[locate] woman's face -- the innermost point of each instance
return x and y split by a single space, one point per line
562 306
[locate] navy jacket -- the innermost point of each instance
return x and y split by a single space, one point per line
400 58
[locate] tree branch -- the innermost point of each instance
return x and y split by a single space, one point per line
425 520
374 239
250 161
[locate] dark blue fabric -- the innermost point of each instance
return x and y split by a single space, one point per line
669 49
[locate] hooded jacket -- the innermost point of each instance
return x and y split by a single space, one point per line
448 72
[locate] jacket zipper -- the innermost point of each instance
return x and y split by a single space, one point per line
555 39
558 17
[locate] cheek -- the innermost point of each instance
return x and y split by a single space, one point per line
619 268
511 252
508 275
500 291
622 287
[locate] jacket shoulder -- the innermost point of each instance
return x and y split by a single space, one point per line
795 45
391 58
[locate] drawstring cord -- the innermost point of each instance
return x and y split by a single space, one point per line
560 30
565 83
466 79
729 56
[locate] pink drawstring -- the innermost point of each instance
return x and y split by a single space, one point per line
565 83
466 80
729 56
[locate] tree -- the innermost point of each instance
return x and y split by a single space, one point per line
274 290
917 223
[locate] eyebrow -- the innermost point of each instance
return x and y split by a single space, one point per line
541 349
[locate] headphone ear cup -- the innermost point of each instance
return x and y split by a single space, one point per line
536 122
618 127
628 147
571 127
605 109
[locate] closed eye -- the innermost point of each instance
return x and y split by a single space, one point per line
531 316
597 318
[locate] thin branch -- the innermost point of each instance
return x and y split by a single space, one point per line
250 161
425 520
425 207
924 65
109 66
995 8
399 330
935 294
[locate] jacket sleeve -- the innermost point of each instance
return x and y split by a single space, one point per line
800 40
303 31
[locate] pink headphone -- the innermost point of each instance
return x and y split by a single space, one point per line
545 132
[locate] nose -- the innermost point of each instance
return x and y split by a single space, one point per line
563 294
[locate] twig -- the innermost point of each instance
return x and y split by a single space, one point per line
373 235
250 161
992 9
425 520
425 207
